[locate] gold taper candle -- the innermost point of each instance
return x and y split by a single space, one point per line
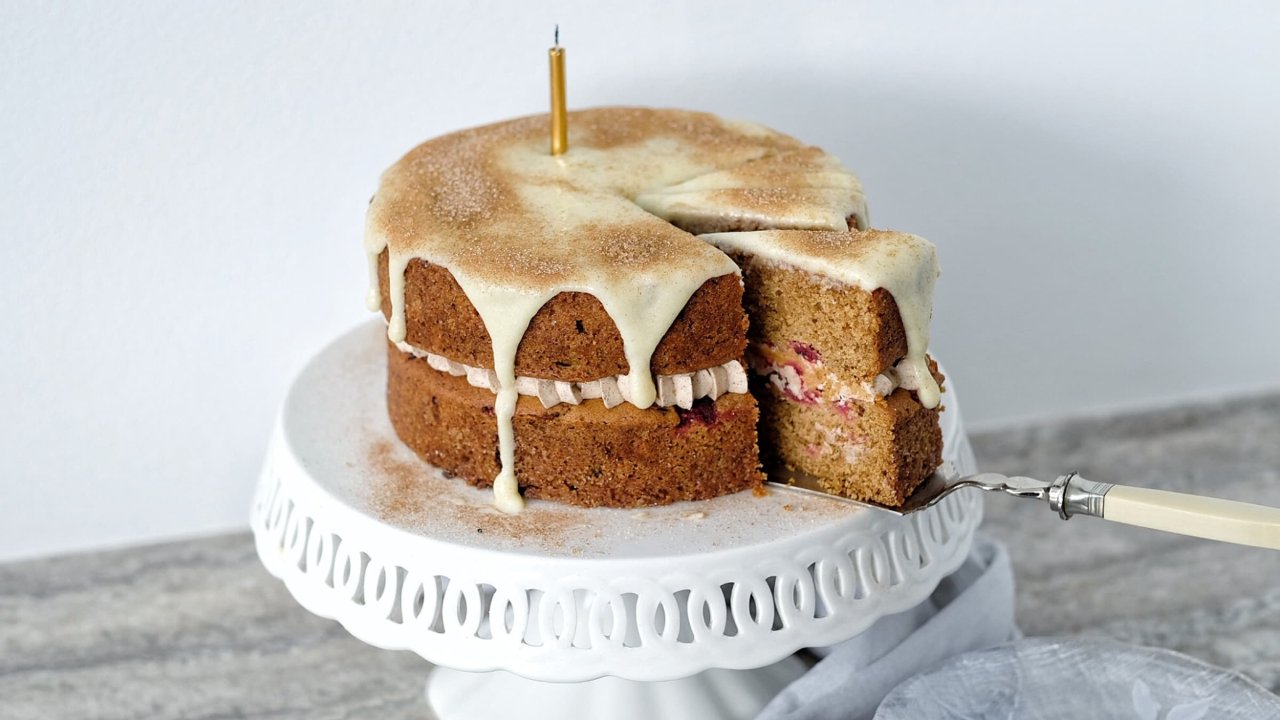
559 115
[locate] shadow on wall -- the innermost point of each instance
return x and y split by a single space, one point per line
1074 269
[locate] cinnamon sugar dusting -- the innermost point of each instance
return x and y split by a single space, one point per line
803 189
849 246
781 200
539 525
805 167
401 492
397 493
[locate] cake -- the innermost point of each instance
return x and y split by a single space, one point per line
648 317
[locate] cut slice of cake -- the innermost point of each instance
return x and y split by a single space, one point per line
846 391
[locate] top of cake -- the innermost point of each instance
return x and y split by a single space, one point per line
516 226
492 204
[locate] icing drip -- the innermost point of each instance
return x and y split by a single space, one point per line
672 390
643 317
903 264
506 313
398 261
506 489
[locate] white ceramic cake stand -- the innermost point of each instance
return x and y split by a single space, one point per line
687 611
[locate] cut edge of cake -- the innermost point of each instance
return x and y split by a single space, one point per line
830 363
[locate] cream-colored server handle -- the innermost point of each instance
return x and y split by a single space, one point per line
1212 518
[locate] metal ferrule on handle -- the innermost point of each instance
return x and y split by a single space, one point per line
1071 495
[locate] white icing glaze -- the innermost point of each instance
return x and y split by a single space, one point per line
882 385
673 390
516 226
506 313
903 264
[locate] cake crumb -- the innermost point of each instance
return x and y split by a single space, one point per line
788 507
695 515
641 515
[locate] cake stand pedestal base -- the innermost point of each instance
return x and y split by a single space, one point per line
715 693
568 612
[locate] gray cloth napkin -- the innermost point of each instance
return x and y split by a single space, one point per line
971 609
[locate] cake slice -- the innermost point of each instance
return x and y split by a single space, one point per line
846 391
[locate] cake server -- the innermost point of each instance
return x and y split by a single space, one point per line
1071 495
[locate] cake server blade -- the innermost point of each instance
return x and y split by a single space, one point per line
1070 495
941 483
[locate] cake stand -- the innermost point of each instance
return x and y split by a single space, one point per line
688 610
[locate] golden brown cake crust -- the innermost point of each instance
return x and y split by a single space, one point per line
571 338
579 454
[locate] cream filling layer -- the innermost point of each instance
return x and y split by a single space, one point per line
678 390
790 381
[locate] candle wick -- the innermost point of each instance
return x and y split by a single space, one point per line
557 35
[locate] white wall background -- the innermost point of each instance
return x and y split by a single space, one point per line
182 188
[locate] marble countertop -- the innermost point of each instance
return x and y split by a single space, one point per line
197 629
